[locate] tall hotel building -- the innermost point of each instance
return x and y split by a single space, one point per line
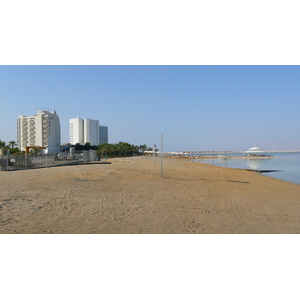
103 134
84 131
42 130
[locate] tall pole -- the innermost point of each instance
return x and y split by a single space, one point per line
154 146
161 155
7 153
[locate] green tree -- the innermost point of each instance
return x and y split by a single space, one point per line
5 149
125 149
2 144
103 149
119 149
142 148
112 148
15 151
86 146
135 149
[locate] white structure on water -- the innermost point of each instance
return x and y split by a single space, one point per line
84 131
42 130
254 150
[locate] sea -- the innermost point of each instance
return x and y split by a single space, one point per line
284 166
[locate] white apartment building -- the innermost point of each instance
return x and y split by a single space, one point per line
91 131
76 131
42 130
103 134
84 131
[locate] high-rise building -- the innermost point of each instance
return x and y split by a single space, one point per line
91 131
84 131
103 134
41 130
76 131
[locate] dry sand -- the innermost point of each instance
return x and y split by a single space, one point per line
129 196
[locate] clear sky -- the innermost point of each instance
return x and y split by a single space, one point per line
195 107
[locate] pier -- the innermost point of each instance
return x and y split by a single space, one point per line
229 152
216 153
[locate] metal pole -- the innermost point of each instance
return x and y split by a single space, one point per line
154 153
161 155
8 152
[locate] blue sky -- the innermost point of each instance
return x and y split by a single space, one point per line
195 107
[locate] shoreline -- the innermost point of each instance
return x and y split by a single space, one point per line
201 157
129 196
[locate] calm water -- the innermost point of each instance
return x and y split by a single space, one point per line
287 165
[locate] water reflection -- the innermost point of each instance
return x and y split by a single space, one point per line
251 163
287 163
254 164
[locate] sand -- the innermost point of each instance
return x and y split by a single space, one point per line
129 196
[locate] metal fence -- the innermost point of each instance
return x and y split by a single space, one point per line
31 161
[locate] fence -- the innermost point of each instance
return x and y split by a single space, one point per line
31 161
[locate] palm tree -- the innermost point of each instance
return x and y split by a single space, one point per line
135 149
143 148
12 144
103 149
120 148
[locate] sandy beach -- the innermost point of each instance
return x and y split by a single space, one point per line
129 196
